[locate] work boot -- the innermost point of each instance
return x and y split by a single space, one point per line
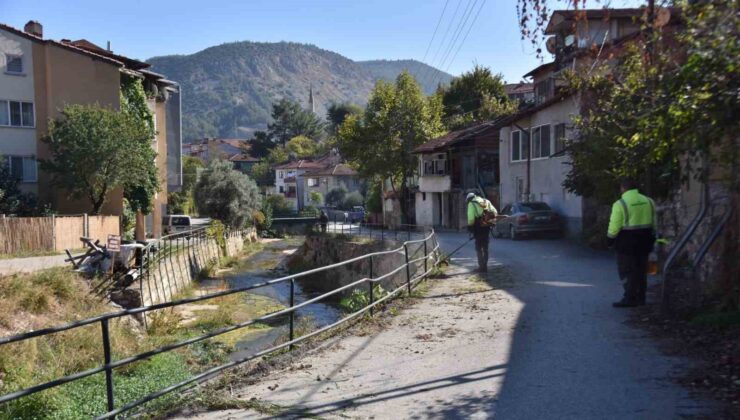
624 303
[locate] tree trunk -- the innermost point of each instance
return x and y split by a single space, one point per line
140 230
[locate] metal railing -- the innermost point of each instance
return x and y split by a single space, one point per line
430 247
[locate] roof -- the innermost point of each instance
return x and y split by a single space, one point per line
540 68
504 121
243 157
339 169
300 164
130 63
454 137
560 17
514 88
69 47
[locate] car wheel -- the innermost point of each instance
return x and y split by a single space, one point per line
512 233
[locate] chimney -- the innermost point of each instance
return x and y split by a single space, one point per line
34 28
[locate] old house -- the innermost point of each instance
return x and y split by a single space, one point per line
452 165
40 76
325 179
532 157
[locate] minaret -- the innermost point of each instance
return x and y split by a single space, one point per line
311 104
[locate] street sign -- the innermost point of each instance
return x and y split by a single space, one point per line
114 243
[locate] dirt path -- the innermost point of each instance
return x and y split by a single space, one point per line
450 347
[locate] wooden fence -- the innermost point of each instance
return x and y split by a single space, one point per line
53 233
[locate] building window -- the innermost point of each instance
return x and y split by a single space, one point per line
14 64
16 114
22 168
559 137
541 142
282 189
516 146
280 175
312 182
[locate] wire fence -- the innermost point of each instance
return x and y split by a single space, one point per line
425 257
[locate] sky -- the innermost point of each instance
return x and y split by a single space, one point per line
357 29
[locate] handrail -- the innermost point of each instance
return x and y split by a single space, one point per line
109 364
711 238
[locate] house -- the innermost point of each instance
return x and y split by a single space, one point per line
452 165
244 162
210 148
40 76
533 161
521 92
328 178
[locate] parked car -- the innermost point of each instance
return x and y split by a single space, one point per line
357 214
174 223
521 218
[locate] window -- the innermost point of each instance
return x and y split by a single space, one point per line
280 175
282 189
13 63
541 142
312 182
516 146
559 137
23 168
16 114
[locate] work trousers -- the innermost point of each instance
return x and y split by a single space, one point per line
482 237
633 273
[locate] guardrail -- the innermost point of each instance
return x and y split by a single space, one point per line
430 254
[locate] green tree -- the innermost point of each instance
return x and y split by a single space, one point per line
95 150
375 199
182 202
353 199
477 95
260 145
279 204
289 120
301 147
337 113
315 198
335 197
226 195
398 118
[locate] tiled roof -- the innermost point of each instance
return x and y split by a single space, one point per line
335 170
513 88
456 136
242 157
61 44
539 68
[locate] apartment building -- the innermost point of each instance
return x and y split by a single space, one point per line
39 77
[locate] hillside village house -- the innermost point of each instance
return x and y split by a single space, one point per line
296 180
532 159
449 167
40 76
234 150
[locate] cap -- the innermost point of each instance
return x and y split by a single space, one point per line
470 197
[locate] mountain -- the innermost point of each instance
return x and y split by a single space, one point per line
228 90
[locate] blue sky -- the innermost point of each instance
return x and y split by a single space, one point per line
360 30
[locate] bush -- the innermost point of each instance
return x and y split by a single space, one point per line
266 212
279 204
225 194
335 197
315 198
375 200
353 199
309 211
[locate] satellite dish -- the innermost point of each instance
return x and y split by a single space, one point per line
550 45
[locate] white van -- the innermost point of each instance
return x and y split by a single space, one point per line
174 223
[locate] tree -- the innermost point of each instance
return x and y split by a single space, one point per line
315 198
95 150
353 199
477 95
226 194
335 197
279 204
260 145
289 120
337 113
398 118
181 202
374 202
12 200
301 147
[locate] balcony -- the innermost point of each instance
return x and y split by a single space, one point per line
435 183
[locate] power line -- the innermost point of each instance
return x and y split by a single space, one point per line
429 71
466 35
439 21
459 31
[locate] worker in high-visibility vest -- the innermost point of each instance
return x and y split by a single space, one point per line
632 231
481 214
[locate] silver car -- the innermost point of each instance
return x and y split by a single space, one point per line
521 218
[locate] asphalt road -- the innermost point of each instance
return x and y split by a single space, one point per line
572 354
538 340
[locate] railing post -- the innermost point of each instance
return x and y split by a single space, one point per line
335 223
408 271
370 291
108 369
292 313
408 233
426 257
382 231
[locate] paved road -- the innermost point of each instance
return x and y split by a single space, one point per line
30 264
542 343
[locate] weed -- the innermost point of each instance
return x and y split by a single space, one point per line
360 298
